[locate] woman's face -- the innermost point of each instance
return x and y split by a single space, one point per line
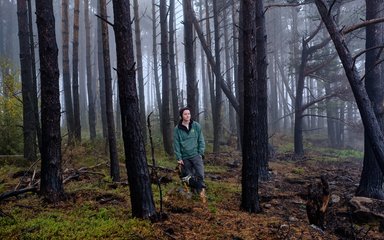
186 115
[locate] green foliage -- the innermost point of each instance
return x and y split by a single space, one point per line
298 170
11 112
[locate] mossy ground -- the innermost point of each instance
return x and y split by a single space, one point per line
96 208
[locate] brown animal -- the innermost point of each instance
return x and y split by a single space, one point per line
317 203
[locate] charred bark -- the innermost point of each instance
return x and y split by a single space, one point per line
51 186
136 162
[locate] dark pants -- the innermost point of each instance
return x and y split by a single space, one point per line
194 167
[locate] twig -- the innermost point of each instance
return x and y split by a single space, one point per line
17 192
158 180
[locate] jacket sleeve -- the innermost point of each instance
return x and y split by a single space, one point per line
200 142
176 144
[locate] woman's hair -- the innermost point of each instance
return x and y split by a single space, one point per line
182 110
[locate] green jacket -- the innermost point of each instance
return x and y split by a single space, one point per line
188 143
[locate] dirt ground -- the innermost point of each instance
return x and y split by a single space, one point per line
282 200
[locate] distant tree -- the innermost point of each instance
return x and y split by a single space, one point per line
371 181
51 185
172 62
136 162
368 117
140 75
155 61
166 128
90 83
115 172
100 66
217 118
66 75
75 73
29 121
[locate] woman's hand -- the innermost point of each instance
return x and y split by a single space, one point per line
180 162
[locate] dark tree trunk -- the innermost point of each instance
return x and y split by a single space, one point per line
262 93
115 172
204 77
29 120
136 162
217 118
172 62
298 132
155 62
100 61
250 171
90 84
370 122
51 185
66 74
139 62
75 72
33 93
371 181
190 62
331 123
166 129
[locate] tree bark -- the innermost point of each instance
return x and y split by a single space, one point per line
75 73
66 74
51 186
172 62
262 93
250 171
100 60
114 168
166 129
371 125
140 77
190 61
371 181
90 83
155 62
35 103
29 121
217 118
136 162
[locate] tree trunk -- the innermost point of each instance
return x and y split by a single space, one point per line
75 71
250 171
140 77
155 61
172 62
66 74
90 84
100 60
371 181
114 168
51 185
228 71
204 77
262 93
29 121
166 129
34 98
217 118
136 162
190 62
370 122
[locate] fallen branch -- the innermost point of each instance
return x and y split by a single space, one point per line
18 192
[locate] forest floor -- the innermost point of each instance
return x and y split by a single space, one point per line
96 208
